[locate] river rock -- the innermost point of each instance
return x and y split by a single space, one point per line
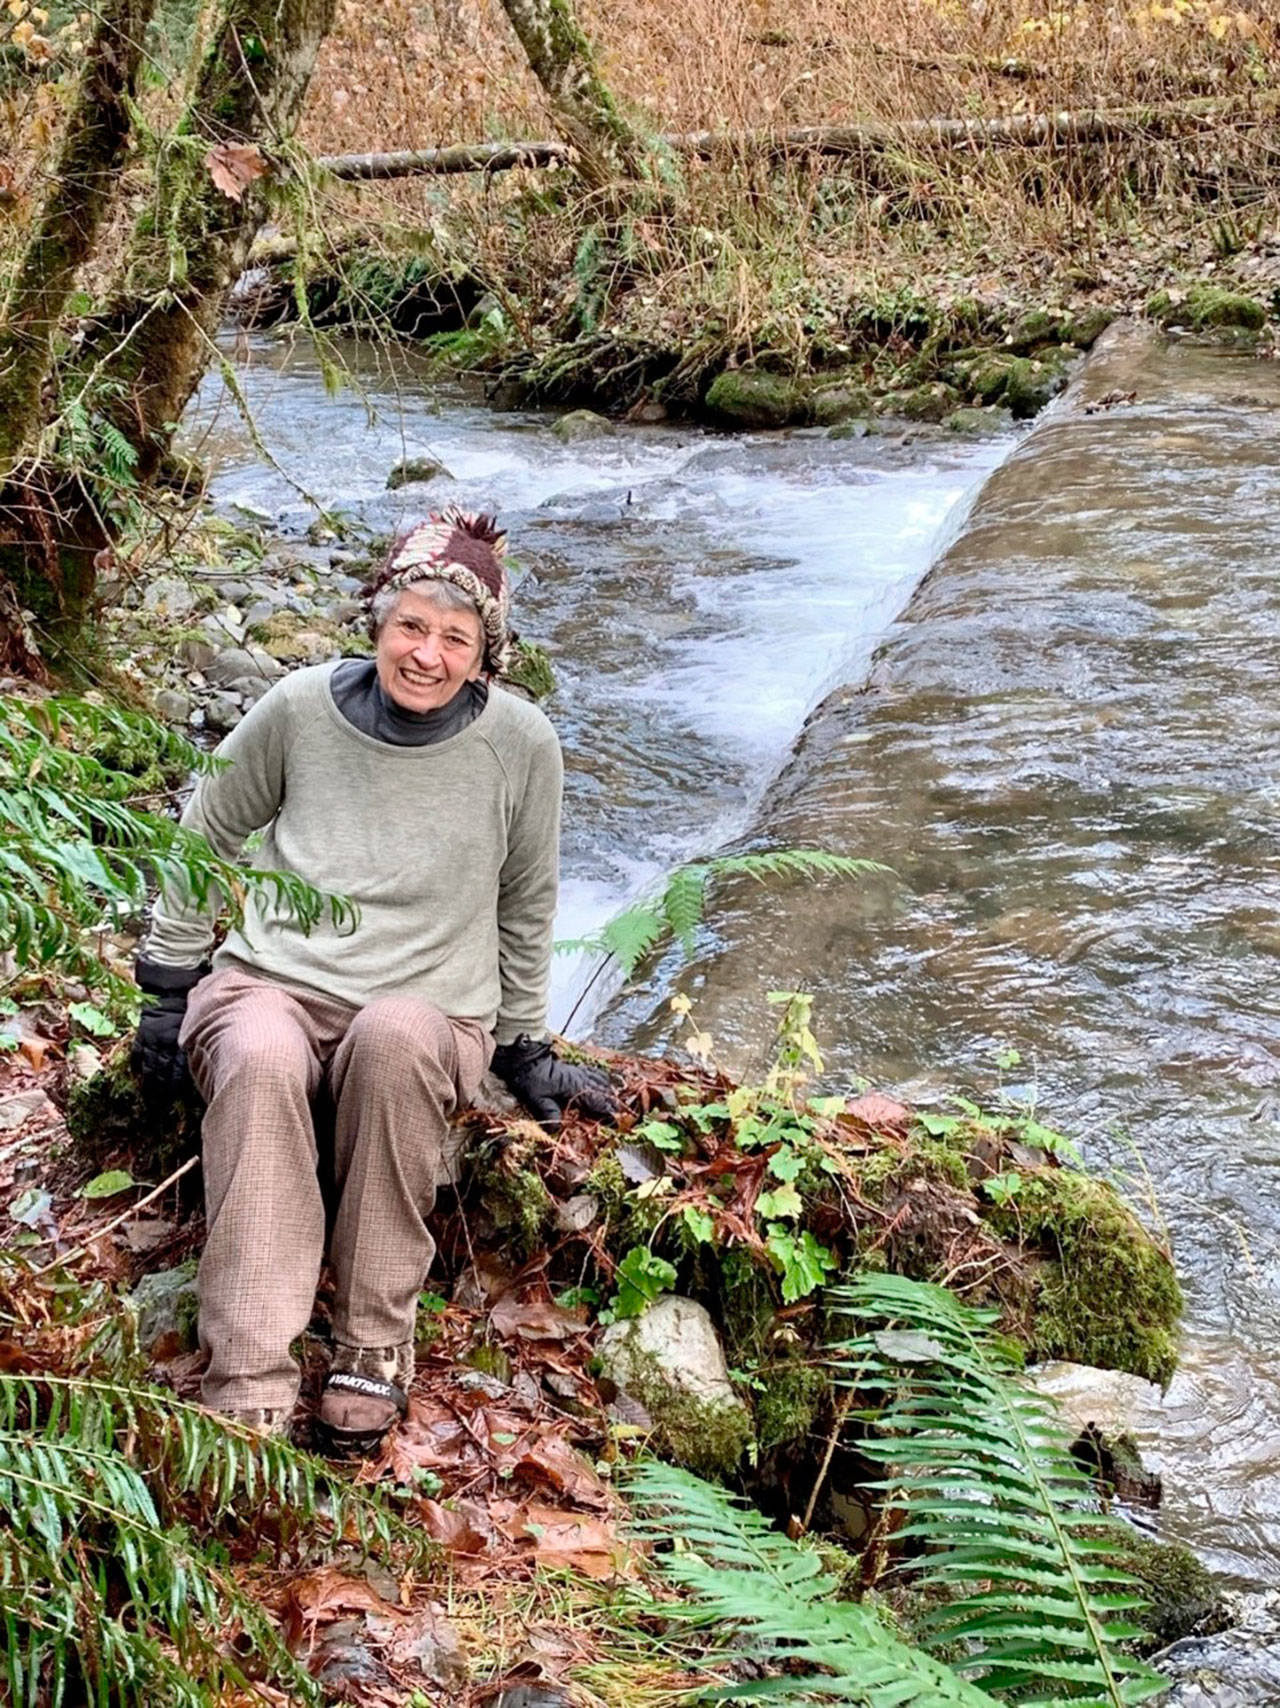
669 1364
581 424
235 592
1234 1668
248 662
196 652
222 712
173 707
223 628
1204 306
170 596
845 401
413 470
166 1306
742 397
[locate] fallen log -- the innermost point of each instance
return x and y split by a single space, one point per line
1021 130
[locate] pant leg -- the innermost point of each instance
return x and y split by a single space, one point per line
400 1073
256 1051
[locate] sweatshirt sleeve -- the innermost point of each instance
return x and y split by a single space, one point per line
244 795
527 890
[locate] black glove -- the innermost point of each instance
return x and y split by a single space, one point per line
155 1058
546 1085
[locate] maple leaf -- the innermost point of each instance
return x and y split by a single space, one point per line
233 166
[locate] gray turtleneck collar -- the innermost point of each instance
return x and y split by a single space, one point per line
361 699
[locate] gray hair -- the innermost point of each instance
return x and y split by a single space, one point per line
442 594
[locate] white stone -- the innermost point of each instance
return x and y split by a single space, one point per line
675 1339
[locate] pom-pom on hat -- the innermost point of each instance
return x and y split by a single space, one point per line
465 549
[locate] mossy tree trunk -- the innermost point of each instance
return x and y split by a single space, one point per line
141 359
82 189
48 536
608 148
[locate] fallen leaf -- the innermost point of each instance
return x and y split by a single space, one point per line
323 1595
876 1110
533 1319
108 1184
461 1527
35 1049
553 1461
574 1540
424 1641
233 166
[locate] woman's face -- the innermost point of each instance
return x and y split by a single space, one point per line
425 652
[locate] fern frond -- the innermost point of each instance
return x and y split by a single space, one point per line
631 934
981 1470
113 1498
779 1605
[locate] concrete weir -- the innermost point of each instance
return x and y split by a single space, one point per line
1067 751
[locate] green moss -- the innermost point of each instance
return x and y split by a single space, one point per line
1084 329
788 1403
1205 306
531 670
744 397
927 402
706 1438
1106 1293
107 1116
1182 1596
515 1197
845 400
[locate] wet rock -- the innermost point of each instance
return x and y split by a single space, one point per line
1238 1667
1183 1599
243 662
170 596
928 402
581 424
173 707
670 1363
235 592
412 470
222 712
835 404
648 412
1084 329
743 397
972 423
260 611
859 429
223 628
196 652
1205 306
166 1307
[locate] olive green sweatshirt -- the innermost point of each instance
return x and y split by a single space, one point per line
449 851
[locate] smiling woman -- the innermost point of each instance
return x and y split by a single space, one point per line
444 971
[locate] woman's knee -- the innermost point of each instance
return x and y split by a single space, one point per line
395 1029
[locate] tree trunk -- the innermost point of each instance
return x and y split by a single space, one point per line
585 113
83 187
156 340
139 362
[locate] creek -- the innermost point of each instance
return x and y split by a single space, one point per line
1065 750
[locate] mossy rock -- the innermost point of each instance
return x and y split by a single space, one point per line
932 401
290 637
107 1117
1182 1595
1107 1293
580 424
832 405
1205 307
971 423
1029 385
415 470
1085 328
751 398
531 672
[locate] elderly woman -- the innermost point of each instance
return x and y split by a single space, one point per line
432 800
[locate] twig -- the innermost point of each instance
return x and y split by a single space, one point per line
842 1411
79 1250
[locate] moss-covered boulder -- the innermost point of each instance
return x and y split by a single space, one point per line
1204 307
580 424
751 398
931 401
530 671
411 471
1183 1598
291 638
840 401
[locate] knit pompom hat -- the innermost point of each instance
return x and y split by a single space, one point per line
467 550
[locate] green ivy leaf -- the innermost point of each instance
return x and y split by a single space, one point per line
94 1021
108 1184
804 1263
642 1276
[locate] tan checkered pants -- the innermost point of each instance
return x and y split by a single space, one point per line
397 1070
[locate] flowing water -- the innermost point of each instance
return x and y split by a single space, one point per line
1065 751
